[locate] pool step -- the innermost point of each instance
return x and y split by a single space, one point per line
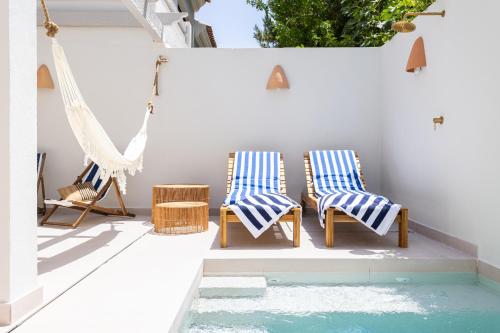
232 286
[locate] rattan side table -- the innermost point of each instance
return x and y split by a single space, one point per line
180 209
181 217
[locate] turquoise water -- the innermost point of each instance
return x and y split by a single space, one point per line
402 305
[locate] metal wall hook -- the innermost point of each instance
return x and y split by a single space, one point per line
438 121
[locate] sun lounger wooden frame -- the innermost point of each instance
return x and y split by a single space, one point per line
228 216
336 216
90 205
40 184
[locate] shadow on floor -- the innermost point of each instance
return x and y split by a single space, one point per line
278 236
72 254
352 238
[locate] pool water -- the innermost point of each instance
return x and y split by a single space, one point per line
401 306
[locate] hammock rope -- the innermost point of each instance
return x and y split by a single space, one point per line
51 26
89 133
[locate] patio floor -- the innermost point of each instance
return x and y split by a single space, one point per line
117 275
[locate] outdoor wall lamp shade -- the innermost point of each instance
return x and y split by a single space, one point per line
278 79
43 78
417 56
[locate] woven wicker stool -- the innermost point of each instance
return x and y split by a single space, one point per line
181 217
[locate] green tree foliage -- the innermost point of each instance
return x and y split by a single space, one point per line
330 23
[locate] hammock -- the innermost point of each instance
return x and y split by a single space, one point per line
89 133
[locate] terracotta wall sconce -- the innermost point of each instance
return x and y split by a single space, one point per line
417 56
43 78
278 79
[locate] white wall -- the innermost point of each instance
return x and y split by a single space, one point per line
17 165
448 178
213 101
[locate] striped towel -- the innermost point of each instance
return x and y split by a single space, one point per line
337 183
255 191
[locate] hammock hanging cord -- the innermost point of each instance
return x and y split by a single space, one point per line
89 133
161 60
52 28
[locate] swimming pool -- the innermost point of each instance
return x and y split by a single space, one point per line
416 303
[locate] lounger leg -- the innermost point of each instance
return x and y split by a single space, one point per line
86 211
403 228
44 206
329 230
47 216
223 227
303 202
81 217
92 203
296 227
63 224
120 198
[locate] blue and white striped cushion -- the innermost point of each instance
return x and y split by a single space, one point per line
39 163
254 196
93 177
337 183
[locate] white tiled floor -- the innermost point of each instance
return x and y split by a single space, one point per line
144 286
66 255
356 249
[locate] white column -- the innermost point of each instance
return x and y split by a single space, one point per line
19 291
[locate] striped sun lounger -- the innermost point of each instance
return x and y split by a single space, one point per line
256 195
337 184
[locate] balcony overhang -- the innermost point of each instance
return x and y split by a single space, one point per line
152 15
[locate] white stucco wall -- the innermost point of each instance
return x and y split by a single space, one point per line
213 101
17 148
449 177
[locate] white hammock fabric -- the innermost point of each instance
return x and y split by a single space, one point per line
90 134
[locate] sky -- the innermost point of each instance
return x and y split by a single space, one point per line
232 22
